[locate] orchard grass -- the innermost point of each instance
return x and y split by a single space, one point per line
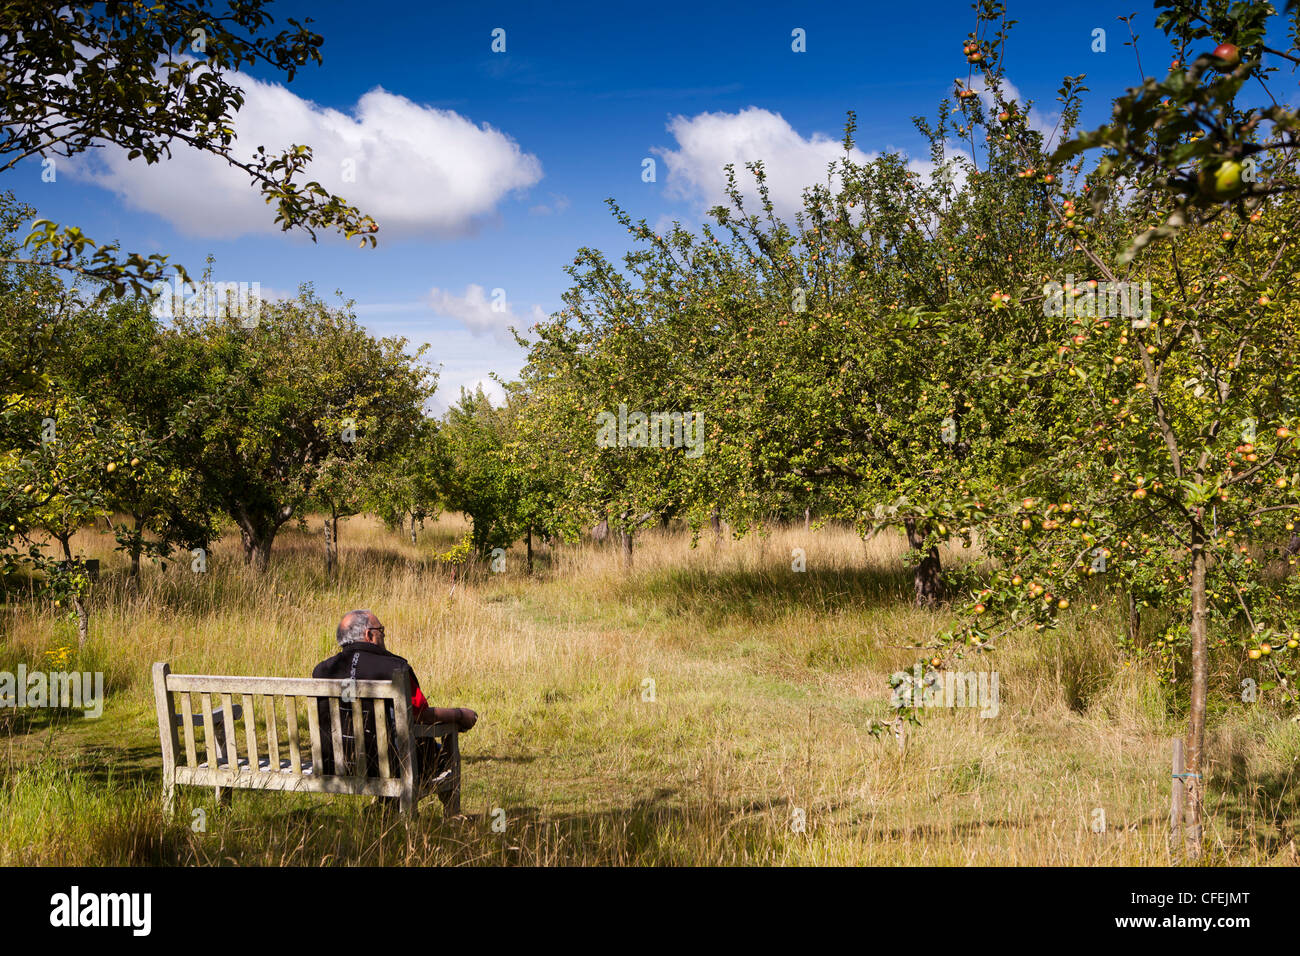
766 681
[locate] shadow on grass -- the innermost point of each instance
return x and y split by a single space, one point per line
1264 808
722 596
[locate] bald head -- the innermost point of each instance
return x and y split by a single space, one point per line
360 625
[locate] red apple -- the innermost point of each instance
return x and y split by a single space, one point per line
1228 53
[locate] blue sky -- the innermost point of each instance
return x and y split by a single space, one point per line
487 170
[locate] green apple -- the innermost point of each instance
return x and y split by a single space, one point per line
1222 181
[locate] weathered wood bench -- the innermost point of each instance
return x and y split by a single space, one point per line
263 764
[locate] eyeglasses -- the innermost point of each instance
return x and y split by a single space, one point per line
379 629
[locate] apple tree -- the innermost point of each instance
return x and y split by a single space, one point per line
1176 476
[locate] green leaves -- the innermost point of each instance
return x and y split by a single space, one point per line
137 86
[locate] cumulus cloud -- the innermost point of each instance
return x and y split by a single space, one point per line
417 170
707 142
483 313
1035 119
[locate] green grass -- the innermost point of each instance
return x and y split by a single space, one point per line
766 683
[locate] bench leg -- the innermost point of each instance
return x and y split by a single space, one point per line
450 796
225 796
452 805
169 801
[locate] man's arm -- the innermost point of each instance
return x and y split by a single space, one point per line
463 717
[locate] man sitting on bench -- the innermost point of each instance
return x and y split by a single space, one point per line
362 656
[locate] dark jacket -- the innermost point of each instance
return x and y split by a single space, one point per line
363 661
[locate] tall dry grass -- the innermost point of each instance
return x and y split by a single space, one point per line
766 684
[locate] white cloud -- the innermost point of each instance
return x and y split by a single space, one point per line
418 171
490 387
709 141
1036 119
557 205
483 313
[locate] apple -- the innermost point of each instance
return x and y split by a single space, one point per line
1253 653
1063 603
1266 648
134 462
979 608
111 467
1228 53
935 662
1222 181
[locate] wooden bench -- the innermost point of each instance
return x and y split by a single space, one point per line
264 764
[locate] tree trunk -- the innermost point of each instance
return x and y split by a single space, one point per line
413 532
83 618
927 576
137 545
807 519
528 538
716 521
1134 620
262 553
83 621
1200 671
626 540
331 546
257 550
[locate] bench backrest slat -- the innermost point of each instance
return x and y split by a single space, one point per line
250 730
291 718
381 738
232 742
280 686
210 745
272 736
187 720
336 736
359 735
313 729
